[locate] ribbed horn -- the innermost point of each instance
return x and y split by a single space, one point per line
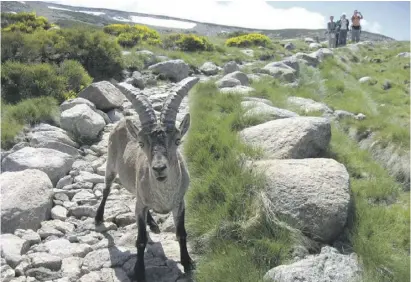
172 103
141 104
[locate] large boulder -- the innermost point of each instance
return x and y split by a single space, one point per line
209 68
322 53
313 195
175 70
307 59
82 121
104 95
266 112
55 145
76 101
39 137
308 105
230 67
315 45
240 76
238 90
327 266
289 46
227 82
54 163
280 70
290 138
26 199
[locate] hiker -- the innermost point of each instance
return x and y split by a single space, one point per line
356 26
343 26
331 29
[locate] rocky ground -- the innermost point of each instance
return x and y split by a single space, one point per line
52 182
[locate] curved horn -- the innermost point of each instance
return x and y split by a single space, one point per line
173 101
141 104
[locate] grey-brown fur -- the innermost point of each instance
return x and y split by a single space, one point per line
149 164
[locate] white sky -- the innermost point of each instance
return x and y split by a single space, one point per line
251 14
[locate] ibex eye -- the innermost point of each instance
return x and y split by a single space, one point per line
178 142
141 144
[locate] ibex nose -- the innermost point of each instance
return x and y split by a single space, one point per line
159 168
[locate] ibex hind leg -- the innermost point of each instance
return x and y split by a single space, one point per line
110 176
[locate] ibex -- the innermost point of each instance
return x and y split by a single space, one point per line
149 163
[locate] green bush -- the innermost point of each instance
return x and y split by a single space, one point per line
117 29
187 42
24 22
77 77
99 54
22 81
128 39
30 111
251 39
236 34
129 36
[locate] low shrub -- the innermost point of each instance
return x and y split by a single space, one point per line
188 42
30 111
251 39
128 36
77 77
117 29
99 54
24 22
128 39
22 81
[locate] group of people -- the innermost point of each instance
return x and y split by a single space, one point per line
337 31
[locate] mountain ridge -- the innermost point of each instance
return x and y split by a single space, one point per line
73 15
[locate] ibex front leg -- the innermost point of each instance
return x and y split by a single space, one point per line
139 268
178 216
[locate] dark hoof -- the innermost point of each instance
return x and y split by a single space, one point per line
98 220
139 276
189 266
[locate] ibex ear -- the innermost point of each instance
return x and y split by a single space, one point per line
132 129
185 124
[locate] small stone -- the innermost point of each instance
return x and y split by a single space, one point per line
84 197
12 248
59 212
43 274
63 248
125 219
45 260
29 235
22 267
66 180
80 211
6 273
71 268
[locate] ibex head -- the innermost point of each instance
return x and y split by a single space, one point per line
159 139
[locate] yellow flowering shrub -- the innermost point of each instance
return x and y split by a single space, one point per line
251 39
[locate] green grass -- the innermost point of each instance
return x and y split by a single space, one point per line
380 230
29 111
237 243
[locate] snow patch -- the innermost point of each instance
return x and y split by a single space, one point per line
92 13
57 8
157 22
